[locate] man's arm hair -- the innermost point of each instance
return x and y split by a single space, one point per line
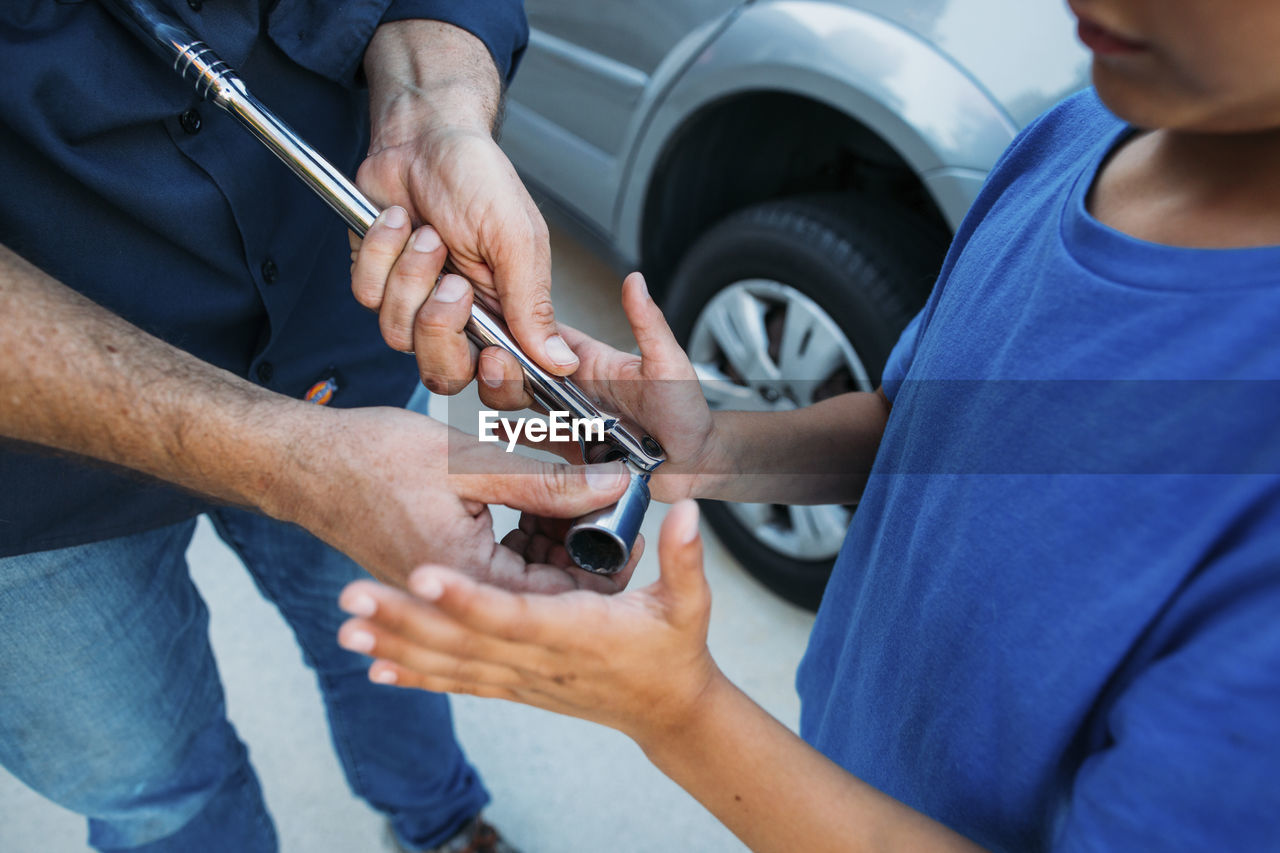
77 378
425 73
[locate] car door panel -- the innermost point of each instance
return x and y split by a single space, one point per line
585 72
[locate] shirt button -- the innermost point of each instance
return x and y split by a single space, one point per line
265 372
195 5
190 121
270 272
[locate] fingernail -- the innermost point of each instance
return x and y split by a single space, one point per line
360 604
689 530
558 351
490 371
384 676
644 288
427 586
358 641
426 240
395 217
451 288
605 478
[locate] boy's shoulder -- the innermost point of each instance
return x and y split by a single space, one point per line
1040 163
1078 114
1071 131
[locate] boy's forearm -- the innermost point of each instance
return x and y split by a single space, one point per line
77 378
815 455
777 793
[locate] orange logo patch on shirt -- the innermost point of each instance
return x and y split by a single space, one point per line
322 392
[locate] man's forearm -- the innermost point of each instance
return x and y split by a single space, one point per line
815 455
77 378
425 74
776 792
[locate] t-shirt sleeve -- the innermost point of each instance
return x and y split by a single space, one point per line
895 369
1188 755
500 24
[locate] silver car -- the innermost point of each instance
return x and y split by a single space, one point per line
788 174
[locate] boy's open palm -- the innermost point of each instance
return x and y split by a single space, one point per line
636 661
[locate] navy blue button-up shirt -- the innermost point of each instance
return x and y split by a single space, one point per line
119 182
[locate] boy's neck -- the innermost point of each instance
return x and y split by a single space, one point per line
1193 189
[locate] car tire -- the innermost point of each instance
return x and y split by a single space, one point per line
869 268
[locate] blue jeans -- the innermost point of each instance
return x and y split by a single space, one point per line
111 705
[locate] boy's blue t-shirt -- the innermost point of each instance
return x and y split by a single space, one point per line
1055 622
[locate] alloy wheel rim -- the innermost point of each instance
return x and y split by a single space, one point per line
762 345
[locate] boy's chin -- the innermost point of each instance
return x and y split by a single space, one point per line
1141 103
1158 105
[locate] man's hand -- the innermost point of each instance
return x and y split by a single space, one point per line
387 487
637 662
394 489
434 95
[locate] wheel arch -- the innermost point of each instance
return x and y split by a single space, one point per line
832 98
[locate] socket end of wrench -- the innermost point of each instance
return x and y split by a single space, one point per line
597 550
601 541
